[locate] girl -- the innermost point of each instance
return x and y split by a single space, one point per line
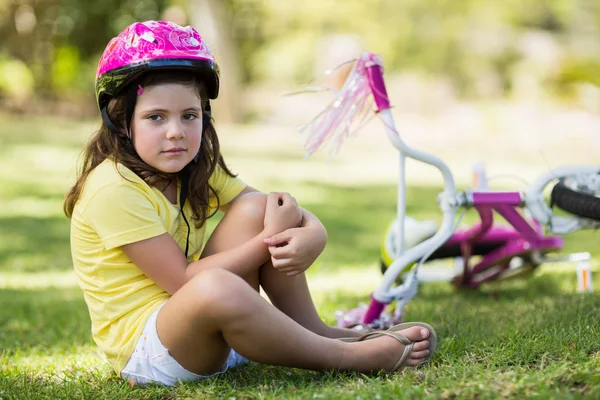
163 307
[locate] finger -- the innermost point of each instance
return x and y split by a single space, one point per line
277 198
279 238
294 273
272 200
282 263
286 270
281 201
280 252
288 199
292 199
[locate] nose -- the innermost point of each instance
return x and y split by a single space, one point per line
175 130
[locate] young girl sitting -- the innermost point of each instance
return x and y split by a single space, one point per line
165 308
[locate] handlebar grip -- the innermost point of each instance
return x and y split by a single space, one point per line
377 85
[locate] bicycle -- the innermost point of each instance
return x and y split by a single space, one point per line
498 246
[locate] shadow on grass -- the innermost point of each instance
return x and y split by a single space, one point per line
43 319
32 244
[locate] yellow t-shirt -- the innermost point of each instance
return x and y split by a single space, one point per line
116 209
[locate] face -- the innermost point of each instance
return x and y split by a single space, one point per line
167 126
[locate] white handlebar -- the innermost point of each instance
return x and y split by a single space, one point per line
384 291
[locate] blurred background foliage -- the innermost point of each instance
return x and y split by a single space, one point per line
478 48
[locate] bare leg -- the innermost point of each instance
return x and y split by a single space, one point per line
218 309
289 294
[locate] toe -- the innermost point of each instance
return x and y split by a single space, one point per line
415 361
419 354
422 345
415 333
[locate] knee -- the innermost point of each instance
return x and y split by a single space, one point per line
251 207
220 293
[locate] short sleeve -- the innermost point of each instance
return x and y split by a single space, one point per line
122 214
226 186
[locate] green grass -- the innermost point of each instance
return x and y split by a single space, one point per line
535 338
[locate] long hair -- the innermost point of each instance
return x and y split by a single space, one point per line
105 144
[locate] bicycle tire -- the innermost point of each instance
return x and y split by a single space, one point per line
574 202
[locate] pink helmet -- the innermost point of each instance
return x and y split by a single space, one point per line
153 45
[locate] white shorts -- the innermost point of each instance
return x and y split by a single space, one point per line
152 363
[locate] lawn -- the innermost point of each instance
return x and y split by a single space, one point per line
522 339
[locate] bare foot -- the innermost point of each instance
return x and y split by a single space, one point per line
333 332
384 352
418 335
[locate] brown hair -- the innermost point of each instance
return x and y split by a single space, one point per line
106 144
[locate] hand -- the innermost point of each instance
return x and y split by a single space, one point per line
294 250
282 212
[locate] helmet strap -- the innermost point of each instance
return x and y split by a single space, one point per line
107 121
130 100
184 175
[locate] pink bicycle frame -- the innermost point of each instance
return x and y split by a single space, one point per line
525 238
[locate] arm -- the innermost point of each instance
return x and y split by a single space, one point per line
311 221
162 260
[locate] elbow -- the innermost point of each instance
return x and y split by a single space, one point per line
320 232
178 283
322 236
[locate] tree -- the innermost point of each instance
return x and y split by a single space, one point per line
213 21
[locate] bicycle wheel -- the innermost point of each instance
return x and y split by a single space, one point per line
580 203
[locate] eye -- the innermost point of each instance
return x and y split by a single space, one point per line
154 117
190 116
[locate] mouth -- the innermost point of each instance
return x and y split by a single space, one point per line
175 151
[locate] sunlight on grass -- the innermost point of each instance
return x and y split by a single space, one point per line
14 280
61 364
31 206
53 162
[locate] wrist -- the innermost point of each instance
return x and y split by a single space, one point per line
259 241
